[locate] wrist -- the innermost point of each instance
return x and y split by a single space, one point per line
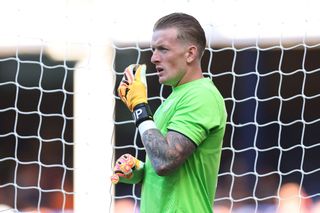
141 113
146 125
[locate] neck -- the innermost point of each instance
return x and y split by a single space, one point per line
192 73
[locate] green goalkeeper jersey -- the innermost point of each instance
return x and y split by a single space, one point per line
196 110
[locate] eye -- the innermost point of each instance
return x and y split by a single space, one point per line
159 49
163 49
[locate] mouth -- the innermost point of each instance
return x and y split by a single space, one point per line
159 70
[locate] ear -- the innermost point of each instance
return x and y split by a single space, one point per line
192 53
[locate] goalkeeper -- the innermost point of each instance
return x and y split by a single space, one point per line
183 139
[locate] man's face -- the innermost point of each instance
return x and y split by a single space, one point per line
168 56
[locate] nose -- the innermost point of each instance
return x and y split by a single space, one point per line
154 57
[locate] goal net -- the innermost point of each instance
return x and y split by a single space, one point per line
62 124
36 141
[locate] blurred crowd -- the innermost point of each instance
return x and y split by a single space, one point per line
291 199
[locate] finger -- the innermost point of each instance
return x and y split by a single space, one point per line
122 162
125 82
128 160
121 169
124 169
125 156
119 173
140 74
123 91
125 164
115 178
128 74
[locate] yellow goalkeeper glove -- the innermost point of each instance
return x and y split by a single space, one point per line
124 167
133 87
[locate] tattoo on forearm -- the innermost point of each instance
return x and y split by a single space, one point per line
166 154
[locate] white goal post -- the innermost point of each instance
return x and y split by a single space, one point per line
93 130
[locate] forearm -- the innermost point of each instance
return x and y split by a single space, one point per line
165 153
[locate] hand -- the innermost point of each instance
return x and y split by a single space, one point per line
133 87
124 167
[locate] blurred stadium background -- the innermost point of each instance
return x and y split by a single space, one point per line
61 123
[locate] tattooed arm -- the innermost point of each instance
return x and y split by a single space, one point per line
167 153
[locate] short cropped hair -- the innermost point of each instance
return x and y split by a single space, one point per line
189 29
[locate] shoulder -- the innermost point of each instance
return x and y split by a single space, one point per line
201 91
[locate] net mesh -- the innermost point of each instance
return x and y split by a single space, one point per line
36 140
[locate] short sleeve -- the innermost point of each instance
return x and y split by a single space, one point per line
196 114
